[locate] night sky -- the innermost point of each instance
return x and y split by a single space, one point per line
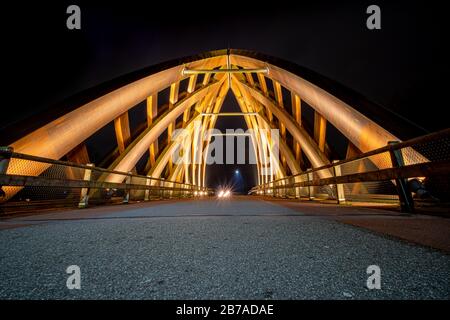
401 66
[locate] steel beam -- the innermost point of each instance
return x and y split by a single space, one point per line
186 72
229 114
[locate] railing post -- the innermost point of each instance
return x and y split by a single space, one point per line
404 194
5 157
279 190
182 187
286 188
297 190
310 188
147 191
126 198
291 190
340 193
161 186
84 196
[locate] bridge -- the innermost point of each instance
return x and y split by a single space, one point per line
341 184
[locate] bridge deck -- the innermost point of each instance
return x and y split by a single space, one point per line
239 248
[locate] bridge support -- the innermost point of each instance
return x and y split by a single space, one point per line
84 196
152 113
147 191
340 194
404 194
320 127
297 112
5 157
122 128
310 188
263 109
126 198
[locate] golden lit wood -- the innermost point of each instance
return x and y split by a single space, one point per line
152 113
313 153
122 128
63 135
297 112
137 148
279 99
320 129
173 98
263 87
191 88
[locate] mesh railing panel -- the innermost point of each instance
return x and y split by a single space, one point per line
373 176
60 184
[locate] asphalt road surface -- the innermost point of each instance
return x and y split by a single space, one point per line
210 249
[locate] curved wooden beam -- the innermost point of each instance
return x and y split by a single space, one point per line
285 151
252 123
212 121
315 156
360 130
140 145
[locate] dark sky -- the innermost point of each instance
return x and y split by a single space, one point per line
401 67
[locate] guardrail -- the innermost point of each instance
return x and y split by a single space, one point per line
63 183
419 166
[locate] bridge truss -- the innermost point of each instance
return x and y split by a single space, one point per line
271 95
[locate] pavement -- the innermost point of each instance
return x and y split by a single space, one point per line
239 248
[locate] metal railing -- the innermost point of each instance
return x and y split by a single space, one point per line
61 184
418 167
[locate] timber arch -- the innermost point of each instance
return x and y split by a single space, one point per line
260 84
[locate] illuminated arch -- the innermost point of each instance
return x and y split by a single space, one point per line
210 77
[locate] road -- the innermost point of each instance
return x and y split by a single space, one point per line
240 248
